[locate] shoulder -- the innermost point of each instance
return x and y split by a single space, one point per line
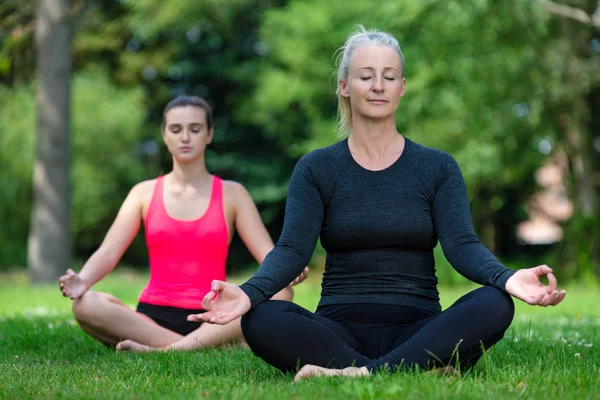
430 161
236 195
428 154
142 190
326 160
325 154
233 188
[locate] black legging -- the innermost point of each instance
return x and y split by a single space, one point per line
378 335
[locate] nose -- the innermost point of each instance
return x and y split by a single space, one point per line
378 84
185 137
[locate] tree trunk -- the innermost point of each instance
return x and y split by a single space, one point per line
49 242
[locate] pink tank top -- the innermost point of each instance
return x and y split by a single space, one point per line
185 256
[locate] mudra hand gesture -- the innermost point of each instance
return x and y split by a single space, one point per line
525 285
224 303
72 285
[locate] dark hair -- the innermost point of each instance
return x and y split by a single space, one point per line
188 101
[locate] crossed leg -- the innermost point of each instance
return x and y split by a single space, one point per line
108 320
288 337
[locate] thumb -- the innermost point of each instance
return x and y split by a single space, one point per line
70 272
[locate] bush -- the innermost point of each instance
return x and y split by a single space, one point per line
106 137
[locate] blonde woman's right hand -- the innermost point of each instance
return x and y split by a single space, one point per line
223 304
72 285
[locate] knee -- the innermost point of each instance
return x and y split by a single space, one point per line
500 305
87 308
262 317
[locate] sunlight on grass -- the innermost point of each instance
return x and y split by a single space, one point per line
547 353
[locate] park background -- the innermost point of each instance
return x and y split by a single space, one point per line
510 88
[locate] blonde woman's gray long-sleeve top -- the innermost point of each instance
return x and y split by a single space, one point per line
379 229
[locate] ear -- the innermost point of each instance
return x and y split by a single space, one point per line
210 135
344 88
403 92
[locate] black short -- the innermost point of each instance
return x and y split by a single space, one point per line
172 318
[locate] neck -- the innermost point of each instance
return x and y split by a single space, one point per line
375 139
189 173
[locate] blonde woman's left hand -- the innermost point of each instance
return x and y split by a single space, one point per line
525 285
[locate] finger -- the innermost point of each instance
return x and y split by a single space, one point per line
207 300
549 299
195 317
552 283
70 272
560 297
534 300
221 319
542 270
217 286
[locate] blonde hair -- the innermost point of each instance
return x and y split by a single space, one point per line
356 40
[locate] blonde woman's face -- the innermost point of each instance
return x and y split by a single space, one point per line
375 84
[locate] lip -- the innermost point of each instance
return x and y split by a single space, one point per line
185 148
377 101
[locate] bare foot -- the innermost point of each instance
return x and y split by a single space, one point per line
134 347
313 370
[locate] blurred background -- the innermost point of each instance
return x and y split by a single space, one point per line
510 88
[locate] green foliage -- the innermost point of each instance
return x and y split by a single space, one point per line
462 65
17 124
486 81
106 136
16 41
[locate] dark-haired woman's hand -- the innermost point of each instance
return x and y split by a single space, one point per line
72 285
300 277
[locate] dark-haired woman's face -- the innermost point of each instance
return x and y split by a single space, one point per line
186 133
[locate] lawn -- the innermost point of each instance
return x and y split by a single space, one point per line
547 353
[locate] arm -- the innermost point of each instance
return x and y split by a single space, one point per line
117 240
252 231
248 223
452 221
303 219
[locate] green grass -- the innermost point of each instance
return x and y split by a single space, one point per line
547 353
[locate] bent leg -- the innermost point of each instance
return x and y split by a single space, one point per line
288 337
477 319
108 320
206 336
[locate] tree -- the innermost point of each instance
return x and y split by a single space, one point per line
475 87
49 242
574 111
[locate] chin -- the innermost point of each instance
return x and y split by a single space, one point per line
187 158
379 115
